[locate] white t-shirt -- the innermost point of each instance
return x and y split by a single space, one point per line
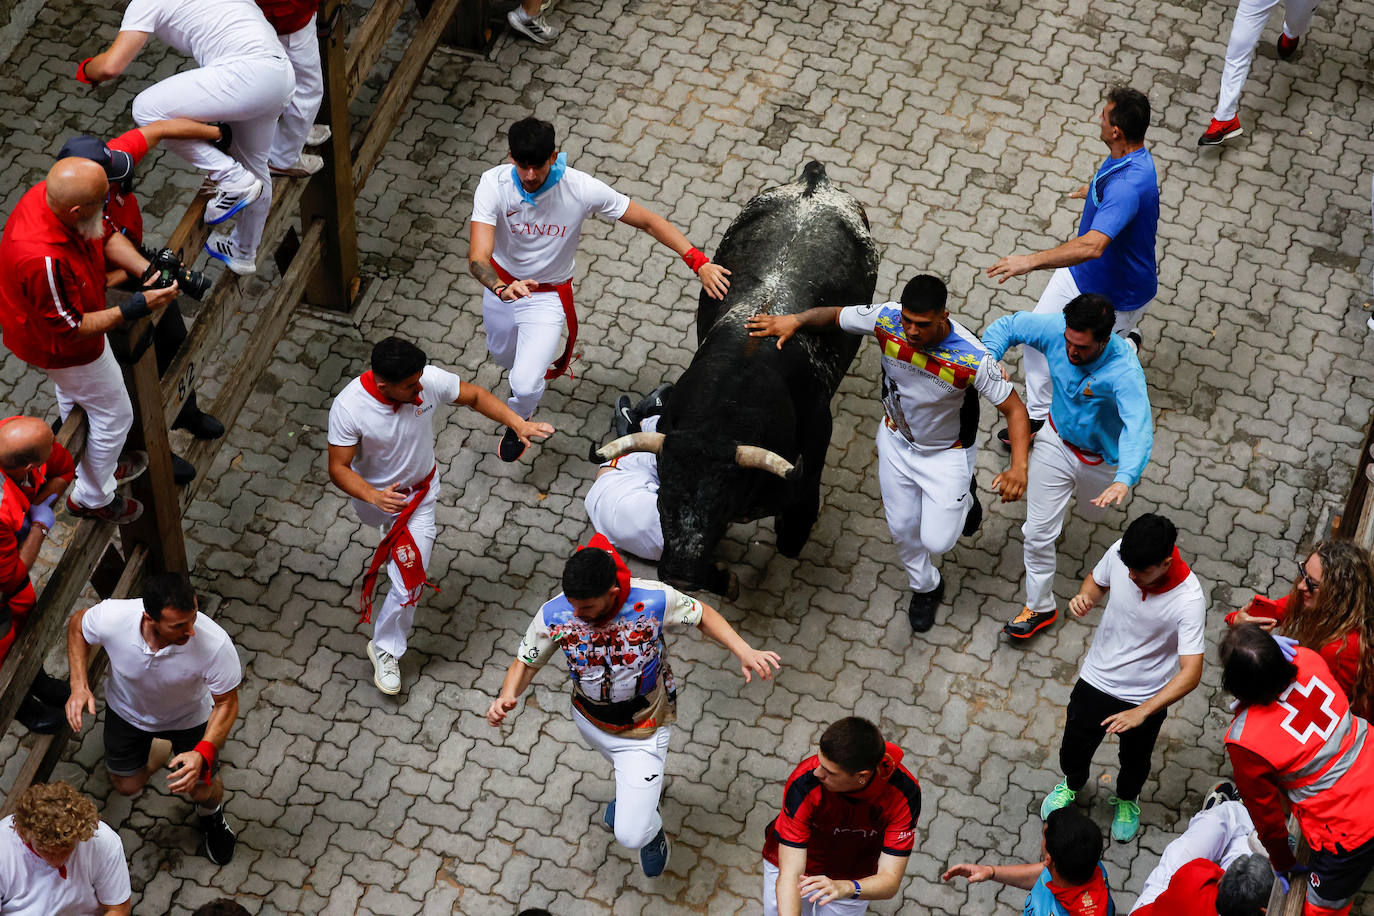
395 445
211 31
97 876
539 241
923 389
1135 648
165 690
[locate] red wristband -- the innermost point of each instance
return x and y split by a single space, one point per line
81 76
695 259
206 750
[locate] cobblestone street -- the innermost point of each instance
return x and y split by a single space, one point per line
961 128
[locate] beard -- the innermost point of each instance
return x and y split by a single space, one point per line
92 229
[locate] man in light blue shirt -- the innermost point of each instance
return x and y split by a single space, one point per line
1097 441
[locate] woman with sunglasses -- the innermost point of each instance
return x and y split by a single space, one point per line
1331 610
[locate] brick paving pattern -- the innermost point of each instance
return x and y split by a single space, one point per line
960 127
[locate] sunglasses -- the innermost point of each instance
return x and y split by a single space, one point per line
1312 584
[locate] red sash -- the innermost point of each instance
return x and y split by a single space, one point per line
565 296
398 544
1092 459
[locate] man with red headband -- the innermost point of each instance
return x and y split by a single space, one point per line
526 221
624 699
381 453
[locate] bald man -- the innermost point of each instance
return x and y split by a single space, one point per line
34 472
53 258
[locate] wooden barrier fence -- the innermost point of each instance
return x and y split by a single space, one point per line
319 262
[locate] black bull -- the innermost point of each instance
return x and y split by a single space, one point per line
746 429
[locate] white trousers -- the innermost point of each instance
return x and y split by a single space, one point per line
1056 474
1251 16
303 50
639 765
1059 292
1221 834
835 908
523 338
391 624
926 499
249 94
98 388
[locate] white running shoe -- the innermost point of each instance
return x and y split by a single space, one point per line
220 246
535 29
228 202
386 670
319 133
306 164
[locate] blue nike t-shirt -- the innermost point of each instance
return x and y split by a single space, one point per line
1123 204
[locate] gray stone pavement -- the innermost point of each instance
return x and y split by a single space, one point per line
960 127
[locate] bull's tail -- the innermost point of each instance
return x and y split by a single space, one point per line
814 176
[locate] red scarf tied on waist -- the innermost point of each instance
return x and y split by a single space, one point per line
565 296
622 572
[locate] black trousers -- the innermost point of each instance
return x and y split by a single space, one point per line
1083 732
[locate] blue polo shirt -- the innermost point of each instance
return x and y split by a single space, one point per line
1102 407
1122 204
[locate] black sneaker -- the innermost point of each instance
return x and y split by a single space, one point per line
198 423
183 471
622 424
511 448
220 839
52 691
653 403
1223 791
38 717
1004 437
1027 623
975 512
921 610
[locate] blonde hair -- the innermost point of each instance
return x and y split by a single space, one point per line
55 816
1345 604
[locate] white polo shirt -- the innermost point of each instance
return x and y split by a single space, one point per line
539 241
97 876
165 690
211 32
395 444
1135 648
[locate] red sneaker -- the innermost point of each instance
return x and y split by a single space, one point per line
121 510
131 466
1218 131
1286 46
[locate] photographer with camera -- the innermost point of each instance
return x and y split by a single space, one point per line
53 257
118 157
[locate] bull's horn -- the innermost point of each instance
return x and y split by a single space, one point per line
634 442
753 456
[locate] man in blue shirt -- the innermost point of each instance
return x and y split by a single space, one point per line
1114 252
1098 439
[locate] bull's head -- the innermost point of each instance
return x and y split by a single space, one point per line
704 484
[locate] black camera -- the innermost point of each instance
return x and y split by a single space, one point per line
165 268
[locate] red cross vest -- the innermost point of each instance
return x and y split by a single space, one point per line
1320 752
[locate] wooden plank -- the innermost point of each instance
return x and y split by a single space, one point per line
396 97
368 40
1359 495
330 195
258 353
46 750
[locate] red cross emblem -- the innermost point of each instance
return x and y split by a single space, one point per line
1309 710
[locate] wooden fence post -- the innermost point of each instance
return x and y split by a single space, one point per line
330 196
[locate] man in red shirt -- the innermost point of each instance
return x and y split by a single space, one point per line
1293 737
847 827
34 471
53 257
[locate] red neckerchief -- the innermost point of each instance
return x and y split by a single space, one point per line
370 385
1178 571
61 869
1084 899
622 572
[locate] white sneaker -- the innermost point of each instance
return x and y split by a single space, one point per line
535 29
386 670
319 133
229 201
220 246
306 164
